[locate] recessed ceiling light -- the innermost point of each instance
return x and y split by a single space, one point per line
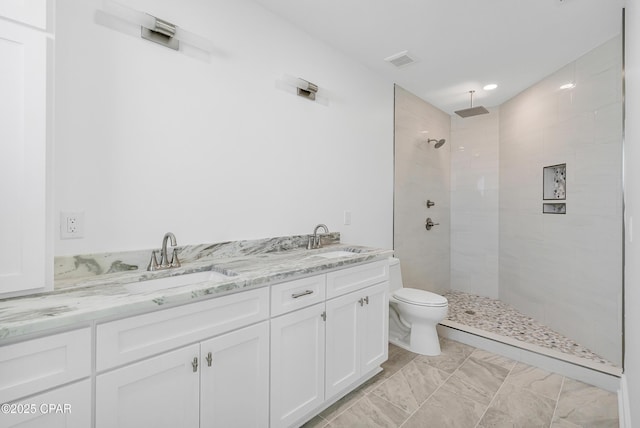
490 87
569 85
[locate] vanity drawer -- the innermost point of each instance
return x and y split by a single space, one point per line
347 280
122 341
292 295
38 364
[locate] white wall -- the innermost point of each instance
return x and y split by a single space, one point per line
474 204
565 270
632 208
149 140
422 173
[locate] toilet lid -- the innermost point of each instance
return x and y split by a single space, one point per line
419 297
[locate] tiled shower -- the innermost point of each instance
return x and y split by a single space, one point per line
562 269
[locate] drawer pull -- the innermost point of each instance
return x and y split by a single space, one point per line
304 293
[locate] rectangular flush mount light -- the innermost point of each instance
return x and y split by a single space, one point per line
155 29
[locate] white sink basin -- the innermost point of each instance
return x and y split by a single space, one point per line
335 254
177 281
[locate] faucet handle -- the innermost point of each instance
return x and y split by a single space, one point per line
153 263
174 259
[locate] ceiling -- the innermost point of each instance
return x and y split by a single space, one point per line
460 45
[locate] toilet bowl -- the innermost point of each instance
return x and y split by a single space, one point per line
413 315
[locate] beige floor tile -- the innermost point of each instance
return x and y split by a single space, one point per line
445 409
494 359
518 407
537 380
317 422
423 379
481 375
342 404
398 358
459 388
370 412
479 393
452 356
586 405
396 390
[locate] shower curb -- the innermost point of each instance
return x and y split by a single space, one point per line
602 376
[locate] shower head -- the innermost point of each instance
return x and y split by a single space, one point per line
438 144
472 111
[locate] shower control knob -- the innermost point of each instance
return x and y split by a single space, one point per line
429 223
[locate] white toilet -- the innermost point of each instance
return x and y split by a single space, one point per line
413 315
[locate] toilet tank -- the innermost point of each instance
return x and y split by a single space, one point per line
395 276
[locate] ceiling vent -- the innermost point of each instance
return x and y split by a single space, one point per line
401 59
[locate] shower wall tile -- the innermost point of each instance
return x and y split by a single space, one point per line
474 204
421 173
565 270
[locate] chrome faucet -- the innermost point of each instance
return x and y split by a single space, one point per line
165 263
315 239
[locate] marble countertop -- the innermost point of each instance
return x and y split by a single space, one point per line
79 300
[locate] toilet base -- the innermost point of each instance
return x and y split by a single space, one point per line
421 340
424 340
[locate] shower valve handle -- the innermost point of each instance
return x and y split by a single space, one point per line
429 223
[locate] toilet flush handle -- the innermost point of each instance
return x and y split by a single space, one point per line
429 223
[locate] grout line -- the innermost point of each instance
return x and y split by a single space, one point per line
365 394
439 386
428 398
555 409
504 382
398 372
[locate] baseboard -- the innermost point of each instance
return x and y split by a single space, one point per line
624 408
601 379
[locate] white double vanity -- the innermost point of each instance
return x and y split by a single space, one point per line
270 347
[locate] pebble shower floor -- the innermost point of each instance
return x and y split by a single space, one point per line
497 317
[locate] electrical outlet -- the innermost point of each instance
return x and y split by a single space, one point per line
71 225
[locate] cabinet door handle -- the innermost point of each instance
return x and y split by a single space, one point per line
194 364
361 301
324 316
366 300
304 293
209 359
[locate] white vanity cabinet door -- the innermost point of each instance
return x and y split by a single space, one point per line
342 341
65 407
160 392
297 364
26 258
234 380
374 328
356 336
